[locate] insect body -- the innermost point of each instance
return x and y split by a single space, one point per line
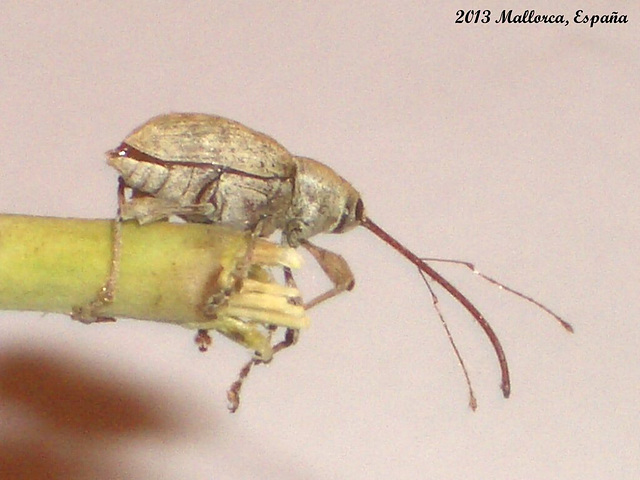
236 175
205 168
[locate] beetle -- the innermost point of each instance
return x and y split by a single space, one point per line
206 168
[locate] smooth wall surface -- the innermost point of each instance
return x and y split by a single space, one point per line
511 145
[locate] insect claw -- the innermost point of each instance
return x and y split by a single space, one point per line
203 340
233 394
88 315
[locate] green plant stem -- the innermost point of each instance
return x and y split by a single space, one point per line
167 271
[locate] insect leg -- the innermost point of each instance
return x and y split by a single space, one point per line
89 313
290 338
202 338
109 289
335 267
144 209
338 271
291 335
243 267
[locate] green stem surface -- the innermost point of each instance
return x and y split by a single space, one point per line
167 270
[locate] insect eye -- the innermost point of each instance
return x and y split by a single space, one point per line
359 210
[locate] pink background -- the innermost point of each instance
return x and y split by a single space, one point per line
515 146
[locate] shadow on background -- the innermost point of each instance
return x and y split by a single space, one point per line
63 421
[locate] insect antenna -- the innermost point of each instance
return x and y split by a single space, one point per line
434 298
567 326
505 383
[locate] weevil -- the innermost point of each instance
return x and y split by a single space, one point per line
206 168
